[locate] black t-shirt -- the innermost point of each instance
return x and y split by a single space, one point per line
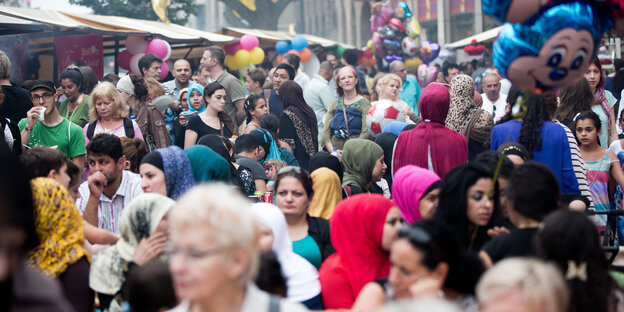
518 243
196 124
16 103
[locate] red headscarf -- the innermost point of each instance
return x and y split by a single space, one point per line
448 148
356 232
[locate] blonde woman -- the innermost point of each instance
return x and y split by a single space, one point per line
390 85
108 113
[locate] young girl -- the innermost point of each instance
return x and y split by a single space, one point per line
255 108
598 162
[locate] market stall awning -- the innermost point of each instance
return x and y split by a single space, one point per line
270 37
486 36
172 32
13 25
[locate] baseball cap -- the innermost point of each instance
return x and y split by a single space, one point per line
43 83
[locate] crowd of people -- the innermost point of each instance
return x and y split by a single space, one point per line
204 193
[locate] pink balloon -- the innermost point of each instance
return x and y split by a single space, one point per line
249 42
134 63
164 71
136 44
157 47
231 48
123 59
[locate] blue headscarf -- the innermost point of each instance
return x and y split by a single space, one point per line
266 141
395 127
199 89
177 169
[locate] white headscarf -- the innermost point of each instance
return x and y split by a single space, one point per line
138 221
301 276
125 85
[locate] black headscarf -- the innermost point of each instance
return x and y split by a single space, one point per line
326 160
386 140
291 95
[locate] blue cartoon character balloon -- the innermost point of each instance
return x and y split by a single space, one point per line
551 49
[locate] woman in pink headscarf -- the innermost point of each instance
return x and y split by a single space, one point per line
431 145
415 190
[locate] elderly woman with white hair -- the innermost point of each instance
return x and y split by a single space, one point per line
523 285
214 253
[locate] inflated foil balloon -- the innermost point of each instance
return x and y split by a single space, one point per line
413 27
429 51
378 41
552 49
402 10
522 9
391 45
426 74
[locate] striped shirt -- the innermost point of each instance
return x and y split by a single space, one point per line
598 178
577 164
109 209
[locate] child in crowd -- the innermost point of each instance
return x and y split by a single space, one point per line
271 168
598 162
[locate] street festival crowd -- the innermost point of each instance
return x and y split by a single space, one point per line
202 193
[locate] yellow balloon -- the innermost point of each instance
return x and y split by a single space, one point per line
371 46
256 55
230 62
413 27
242 58
413 63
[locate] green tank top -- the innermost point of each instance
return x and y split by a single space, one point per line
309 250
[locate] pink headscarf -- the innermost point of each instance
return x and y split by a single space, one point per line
408 188
448 148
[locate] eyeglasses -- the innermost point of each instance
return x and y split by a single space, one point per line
419 237
191 254
45 97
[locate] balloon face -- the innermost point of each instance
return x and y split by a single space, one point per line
560 62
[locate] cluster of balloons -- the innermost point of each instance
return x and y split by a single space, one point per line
395 34
366 58
550 45
137 46
242 53
298 45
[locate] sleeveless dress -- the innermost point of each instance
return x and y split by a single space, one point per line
598 180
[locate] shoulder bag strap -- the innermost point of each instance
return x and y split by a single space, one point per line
471 123
274 304
344 112
91 130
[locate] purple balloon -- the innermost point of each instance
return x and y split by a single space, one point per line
378 41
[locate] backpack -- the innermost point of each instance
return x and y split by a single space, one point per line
128 128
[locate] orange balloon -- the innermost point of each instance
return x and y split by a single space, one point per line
295 52
279 59
305 55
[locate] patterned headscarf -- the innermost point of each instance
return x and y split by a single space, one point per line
138 221
177 169
60 228
301 115
463 109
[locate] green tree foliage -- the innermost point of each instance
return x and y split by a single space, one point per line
265 16
178 11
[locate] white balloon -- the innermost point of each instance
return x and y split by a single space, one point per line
136 44
312 66
168 51
134 63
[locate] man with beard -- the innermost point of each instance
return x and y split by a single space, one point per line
182 74
109 188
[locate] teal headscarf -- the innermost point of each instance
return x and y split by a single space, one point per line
266 141
207 165
358 158
199 89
